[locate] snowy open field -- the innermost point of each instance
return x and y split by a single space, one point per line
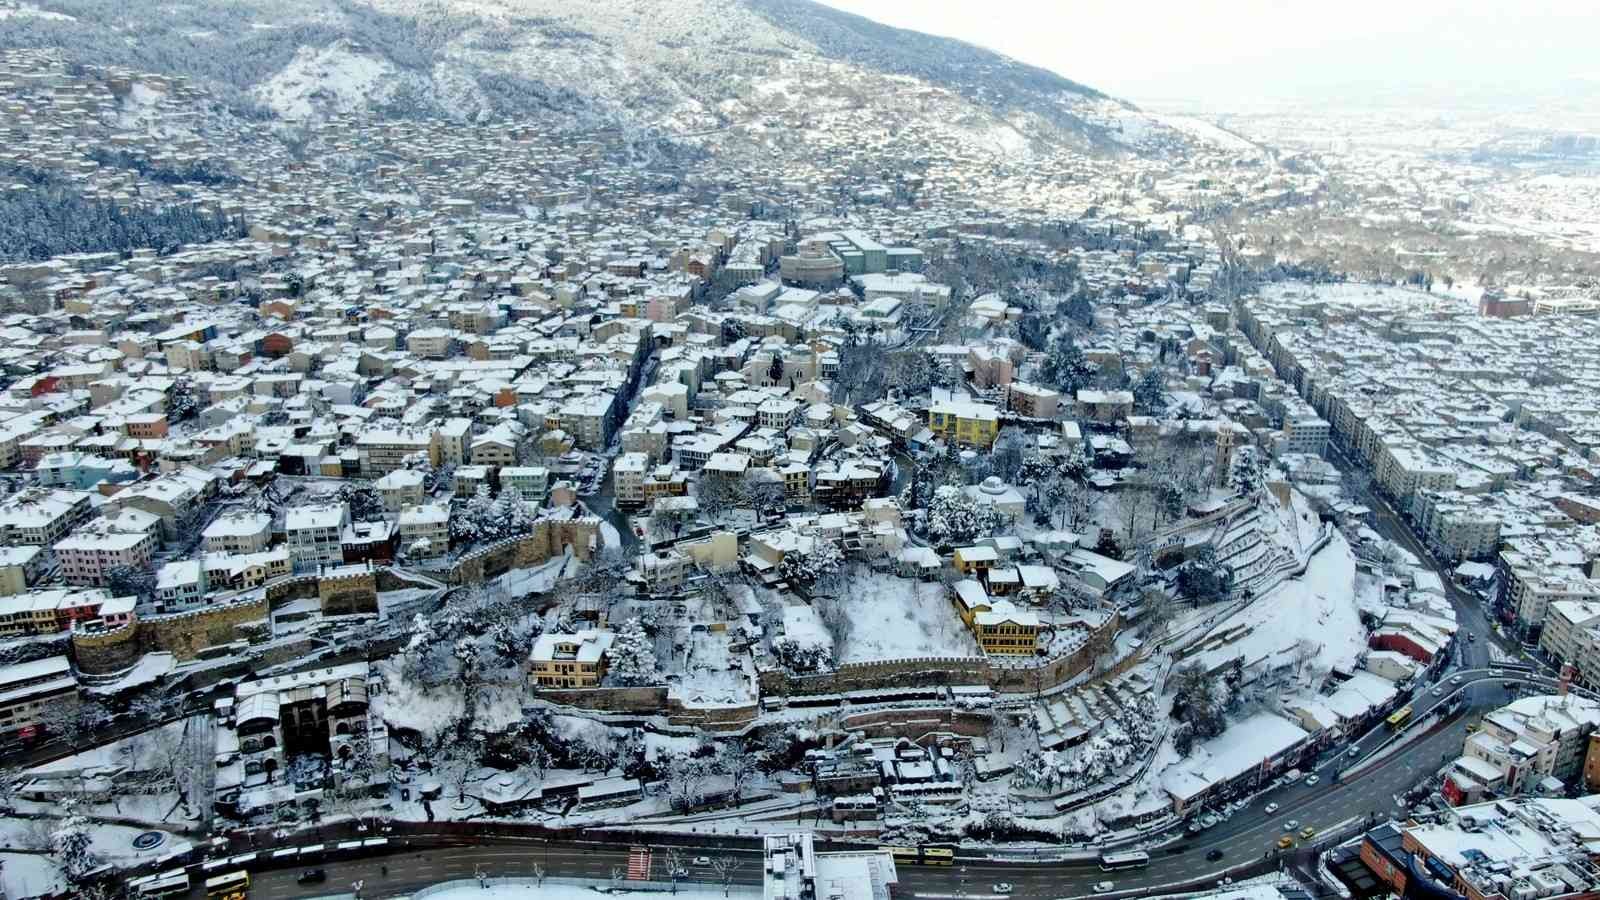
1317 611
893 618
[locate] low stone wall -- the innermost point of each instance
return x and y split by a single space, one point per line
916 724
1017 675
643 700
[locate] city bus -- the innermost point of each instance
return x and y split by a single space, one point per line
231 886
167 884
1132 859
1399 717
924 855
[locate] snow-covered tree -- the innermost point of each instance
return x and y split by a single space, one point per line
955 518
1246 476
69 843
632 655
1065 367
1150 392
1203 579
814 567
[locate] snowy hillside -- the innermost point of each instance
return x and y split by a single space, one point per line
669 67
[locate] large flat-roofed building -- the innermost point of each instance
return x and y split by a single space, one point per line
28 689
1502 850
792 869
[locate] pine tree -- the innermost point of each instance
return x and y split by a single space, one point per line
632 655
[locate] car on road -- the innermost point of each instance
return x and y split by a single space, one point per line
1104 887
679 872
1307 833
1285 842
1355 751
1471 638
1497 672
1291 825
1208 820
1312 780
312 876
1272 808
1002 887
1213 855
702 860
1471 727
1437 692
1456 680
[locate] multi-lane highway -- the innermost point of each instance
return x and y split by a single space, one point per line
1246 836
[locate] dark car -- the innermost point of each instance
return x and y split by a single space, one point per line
312 876
1213 855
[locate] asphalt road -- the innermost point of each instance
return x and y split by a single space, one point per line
1247 835
1470 614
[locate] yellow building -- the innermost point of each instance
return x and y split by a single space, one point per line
974 561
967 424
570 660
1000 627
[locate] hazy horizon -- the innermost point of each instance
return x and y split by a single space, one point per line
1258 51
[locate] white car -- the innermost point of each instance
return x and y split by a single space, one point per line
1355 751
1456 680
1313 779
702 860
1002 887
1291 825
1272 808
1437 692
1103 887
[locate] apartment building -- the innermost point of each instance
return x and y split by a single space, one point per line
527 482
313 532
628 477
1030 400
399 489
1458 525
28 689
237 531
383 450
41 516
1571 634
89 556
1535 738
425 530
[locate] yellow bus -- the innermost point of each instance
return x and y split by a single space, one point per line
1399 717
938 856
231 886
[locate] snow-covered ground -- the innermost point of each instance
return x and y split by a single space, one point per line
1316 613
895 618
29 874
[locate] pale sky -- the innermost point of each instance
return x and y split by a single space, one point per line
1221 50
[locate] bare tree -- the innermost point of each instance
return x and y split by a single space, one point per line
726 867
674 866
739 765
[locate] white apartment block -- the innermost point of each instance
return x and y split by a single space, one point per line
313 533
238 531
1532 588
425 530
383 450
527 482
1571 634
41 516
1462 527
627 478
